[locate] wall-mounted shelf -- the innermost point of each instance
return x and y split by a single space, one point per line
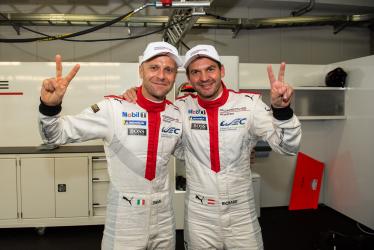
313 103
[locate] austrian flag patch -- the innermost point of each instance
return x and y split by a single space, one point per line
211 202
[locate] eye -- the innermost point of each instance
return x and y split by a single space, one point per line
194 72
211 69
169 70
153 67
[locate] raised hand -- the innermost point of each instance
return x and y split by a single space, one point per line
281 92
53 89
130 95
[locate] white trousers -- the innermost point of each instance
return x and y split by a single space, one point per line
221 223
138 222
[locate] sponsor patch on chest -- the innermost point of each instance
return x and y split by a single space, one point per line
167 131
134 122
233 123
134 114
137 131
196 112
197 118
199 126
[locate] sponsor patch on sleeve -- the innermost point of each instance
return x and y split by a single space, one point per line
95 108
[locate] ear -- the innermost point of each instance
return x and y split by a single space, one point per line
222 71
188 75
141 71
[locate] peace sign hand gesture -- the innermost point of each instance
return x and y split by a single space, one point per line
53 89
281 92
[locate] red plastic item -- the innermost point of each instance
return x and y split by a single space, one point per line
307 183
167 2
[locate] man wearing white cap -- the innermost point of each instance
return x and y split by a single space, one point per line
220 129
138 140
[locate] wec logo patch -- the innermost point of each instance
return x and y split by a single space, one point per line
235 122
171 130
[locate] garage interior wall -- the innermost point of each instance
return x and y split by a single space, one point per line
303 45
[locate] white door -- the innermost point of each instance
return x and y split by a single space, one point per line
8 189
71 186
37 187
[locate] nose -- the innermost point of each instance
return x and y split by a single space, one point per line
203 76
161 74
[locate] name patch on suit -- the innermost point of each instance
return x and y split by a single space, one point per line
137 131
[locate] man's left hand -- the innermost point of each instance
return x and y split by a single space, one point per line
281 92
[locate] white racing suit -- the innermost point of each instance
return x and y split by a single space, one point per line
218 137
138 141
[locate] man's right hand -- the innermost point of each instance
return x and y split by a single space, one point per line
130 95
53 89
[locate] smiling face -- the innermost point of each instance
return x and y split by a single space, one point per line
158 75
205 76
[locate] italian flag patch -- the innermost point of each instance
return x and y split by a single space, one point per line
140 202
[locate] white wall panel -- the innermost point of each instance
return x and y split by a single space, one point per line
254 75
350 171
277 171
18 113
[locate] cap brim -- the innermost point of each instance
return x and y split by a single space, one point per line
189 61
177 60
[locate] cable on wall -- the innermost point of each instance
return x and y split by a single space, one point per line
46 37
89 40
62 37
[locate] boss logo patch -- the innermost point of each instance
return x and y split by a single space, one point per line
137 131
199 126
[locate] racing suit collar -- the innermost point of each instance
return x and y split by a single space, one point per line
148 105
217 102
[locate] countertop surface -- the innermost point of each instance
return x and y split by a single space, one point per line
80 149
57 150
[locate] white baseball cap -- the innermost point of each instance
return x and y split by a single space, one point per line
201 51
161 48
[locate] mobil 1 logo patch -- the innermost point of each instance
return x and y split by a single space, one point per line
137 131
199 126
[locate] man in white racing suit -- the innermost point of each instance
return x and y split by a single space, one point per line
138 141
220 127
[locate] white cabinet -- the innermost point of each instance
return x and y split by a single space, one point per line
8 189
313 103
71 186
100 184
37 188
54 187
